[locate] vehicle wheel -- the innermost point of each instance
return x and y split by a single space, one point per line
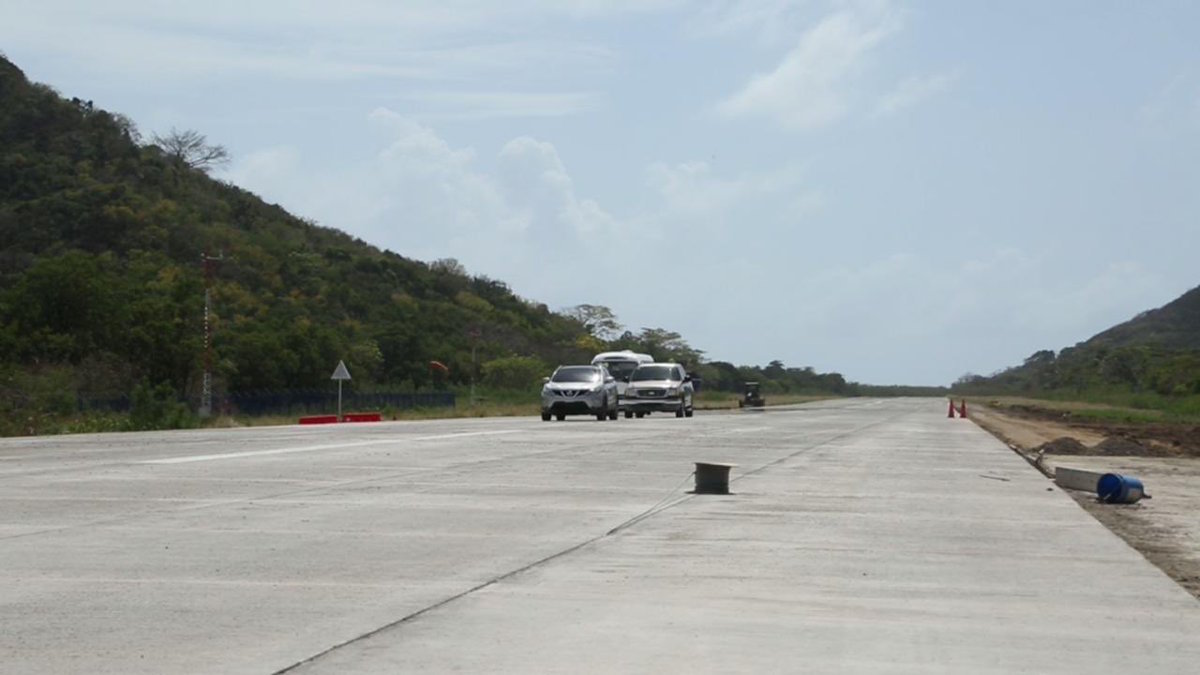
612 414
682 408
545 417
641 415
628 414
560 417
603 414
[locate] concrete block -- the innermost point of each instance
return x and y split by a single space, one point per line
1076 479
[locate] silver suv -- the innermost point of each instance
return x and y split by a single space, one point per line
662 387
579 390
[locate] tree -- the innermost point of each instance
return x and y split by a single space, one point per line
667 345
775 370
128 128
515 372
968 380
192 149
598 320
448 266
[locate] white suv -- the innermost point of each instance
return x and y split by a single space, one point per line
664 387
579 390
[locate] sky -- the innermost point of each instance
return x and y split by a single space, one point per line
902 192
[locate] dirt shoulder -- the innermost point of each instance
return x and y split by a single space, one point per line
1153 438
1166 458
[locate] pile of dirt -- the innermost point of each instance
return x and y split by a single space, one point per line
1064 445
1117 446
1147 439
1113 446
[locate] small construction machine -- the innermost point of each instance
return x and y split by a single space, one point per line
751 396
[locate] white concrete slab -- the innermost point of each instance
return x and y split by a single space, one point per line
1077 479
863 536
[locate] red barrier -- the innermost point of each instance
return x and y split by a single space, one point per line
962 410
319 419
363 417
950 414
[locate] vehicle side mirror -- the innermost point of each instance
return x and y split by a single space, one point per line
545 380
626 379
687 378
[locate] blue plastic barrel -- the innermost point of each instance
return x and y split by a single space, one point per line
1114 488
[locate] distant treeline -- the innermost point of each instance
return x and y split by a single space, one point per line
1094 368
1155 353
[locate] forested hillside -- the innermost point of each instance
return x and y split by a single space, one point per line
103 237
1174 326
1157 352
102 240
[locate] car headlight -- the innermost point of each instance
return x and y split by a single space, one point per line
672 391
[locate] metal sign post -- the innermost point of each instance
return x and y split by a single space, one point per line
474 333
340 374
206 384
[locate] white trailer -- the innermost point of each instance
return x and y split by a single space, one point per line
621 365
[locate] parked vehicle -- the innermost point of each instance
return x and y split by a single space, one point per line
579 390
621 365
659 387
752 396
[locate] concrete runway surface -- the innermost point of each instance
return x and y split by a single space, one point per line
868 536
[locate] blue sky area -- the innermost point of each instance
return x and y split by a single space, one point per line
901 192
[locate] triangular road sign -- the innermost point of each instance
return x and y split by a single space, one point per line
341 373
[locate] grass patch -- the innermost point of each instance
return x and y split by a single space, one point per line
504 404
1116 407
487 403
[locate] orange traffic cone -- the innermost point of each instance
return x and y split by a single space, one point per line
962 409
950 413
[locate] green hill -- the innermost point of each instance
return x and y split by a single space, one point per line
1174 326
101 275
1155 353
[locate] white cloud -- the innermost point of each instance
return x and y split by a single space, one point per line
1174 106
424 198
476 105
770 21
411 18
913 90
810 87
318 41
521 217
692 191
541 191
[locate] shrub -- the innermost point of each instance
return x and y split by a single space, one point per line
515 372
158 408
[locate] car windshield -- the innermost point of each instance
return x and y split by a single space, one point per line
620 369
576 374
653 373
